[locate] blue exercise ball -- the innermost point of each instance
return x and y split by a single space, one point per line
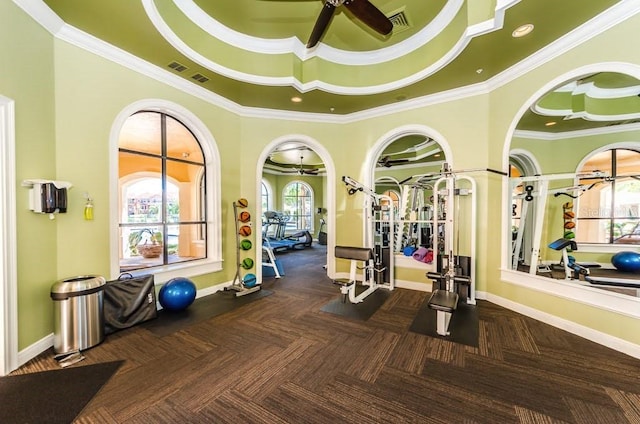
177 294
626 261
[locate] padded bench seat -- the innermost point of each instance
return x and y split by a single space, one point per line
354 253
443 300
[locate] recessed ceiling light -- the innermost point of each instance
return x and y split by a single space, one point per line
479 70
296 99
522 30
550 123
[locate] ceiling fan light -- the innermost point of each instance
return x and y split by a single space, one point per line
522 30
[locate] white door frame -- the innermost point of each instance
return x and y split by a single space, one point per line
8 243
329 195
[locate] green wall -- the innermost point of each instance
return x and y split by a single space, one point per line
68 103
506 102
27 77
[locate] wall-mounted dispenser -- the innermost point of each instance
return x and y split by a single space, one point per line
47 196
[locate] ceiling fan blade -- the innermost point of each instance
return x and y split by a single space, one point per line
370 15
388 163
321 24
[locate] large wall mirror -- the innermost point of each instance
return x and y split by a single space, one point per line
405 171
575 184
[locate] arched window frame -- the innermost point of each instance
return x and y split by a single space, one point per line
600 246
213 261
310 217
268 190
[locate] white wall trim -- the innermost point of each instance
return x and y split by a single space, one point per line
8 246
40 12
323 51
37 348
548 136
603 339
329 198
46 342
373 153
413 285
575 291
214 198
621 67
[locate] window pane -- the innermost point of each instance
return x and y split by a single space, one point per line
599 162
141 247
161 181
596 202
143 200
183 191
626 231
297 203
627 162
181 143
184 242
141 132
609 211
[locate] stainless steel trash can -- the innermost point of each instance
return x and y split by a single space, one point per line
78 313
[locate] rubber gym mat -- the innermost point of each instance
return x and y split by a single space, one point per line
463 326
362 311
201 309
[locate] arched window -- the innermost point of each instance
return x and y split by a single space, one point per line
266 197
297 202
609 212
162 193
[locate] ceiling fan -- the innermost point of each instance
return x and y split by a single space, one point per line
388 162
301 170
361 9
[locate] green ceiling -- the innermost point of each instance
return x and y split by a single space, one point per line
127 25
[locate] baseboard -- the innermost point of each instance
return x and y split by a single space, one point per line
46 342
412 285
595 336
35 349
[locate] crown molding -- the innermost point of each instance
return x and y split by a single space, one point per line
325 52
371 58
611 17
41 13
547 136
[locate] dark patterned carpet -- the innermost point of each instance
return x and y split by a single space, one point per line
281 359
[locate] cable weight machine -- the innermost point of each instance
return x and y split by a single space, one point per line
377 255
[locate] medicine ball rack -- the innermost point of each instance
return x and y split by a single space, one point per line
239 285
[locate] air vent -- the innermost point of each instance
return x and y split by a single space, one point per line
176 66
399 21
200 78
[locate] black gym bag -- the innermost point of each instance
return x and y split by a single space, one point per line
129 301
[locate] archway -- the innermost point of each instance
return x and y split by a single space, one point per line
329 194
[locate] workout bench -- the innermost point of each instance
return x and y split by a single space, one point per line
444 303
571 267
355 255
451 284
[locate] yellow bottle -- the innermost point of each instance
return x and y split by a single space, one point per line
88 210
